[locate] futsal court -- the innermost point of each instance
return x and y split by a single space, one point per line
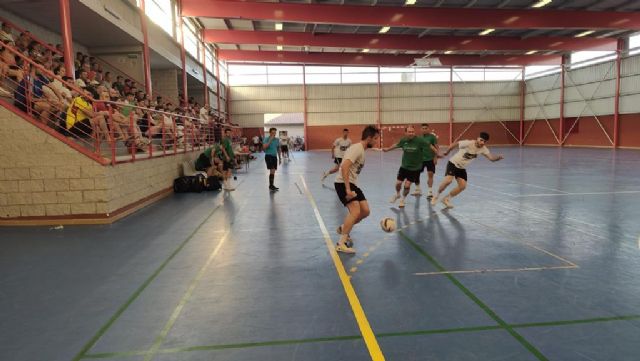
537 261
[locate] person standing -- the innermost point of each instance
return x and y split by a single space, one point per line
272 156
340 146
346 185
413 148
456 167
429 160
228 161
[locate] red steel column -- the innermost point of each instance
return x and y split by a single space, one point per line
228 91
450 105
183 59
562 72
67 41
616 103
204 68
218 79
523 87
305 116
379 120
145 49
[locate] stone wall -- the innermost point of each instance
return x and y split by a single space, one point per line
41 176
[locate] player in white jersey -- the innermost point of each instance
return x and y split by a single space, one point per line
337 152
346 185
456 167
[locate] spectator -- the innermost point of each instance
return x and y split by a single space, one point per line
6 35
82 120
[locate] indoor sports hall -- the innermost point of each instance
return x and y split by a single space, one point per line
191 180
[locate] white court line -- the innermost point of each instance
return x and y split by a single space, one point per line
506 180
492 190
525 269
575 194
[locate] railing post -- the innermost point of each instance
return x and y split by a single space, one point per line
133 146
148 116
450 105
67 41
113 146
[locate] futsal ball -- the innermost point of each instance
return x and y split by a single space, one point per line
388 224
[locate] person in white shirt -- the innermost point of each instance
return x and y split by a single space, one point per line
340 146
346 186
456 167
284 145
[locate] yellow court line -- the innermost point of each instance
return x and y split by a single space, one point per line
365 329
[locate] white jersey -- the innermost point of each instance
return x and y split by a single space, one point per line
284 140
341 145
468 152
355 154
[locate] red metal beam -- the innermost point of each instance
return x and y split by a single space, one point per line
409 16
523 87
67 42
146 59
406 42
616 104
305 114
564 69
381 59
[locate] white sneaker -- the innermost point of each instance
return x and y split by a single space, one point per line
447 202
417 192
429 194
401 204
394 198
434 200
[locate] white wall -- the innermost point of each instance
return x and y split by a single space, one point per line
592 85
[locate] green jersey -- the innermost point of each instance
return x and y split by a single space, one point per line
226 143
413 152
429 154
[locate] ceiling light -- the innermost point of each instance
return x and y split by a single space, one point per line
541 3
410 2
585 33
365 50
279 26
487 31
384 29
279 47
531 52
448 52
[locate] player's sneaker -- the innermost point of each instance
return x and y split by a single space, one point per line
429 194
273 188
344 249
447 202
417 192
394 198
324 176
401 204
434 200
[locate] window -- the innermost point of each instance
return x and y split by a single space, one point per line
397 75
209 61
468 74
284 74
536 71
190 39
159 11
584 58
634 45
322 74
359 74
502 74
432 74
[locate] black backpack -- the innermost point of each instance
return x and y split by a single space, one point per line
213 184
189 184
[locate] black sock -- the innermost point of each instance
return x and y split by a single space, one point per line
271 176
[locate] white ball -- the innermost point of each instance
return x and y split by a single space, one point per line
388 224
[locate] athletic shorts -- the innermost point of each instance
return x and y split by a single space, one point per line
456 172
412 176
341 190
337 160
284 148
272 161
430 165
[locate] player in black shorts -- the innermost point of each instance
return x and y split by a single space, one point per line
346 185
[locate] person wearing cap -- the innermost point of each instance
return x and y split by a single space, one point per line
456 167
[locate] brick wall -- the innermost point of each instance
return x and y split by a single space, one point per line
42 176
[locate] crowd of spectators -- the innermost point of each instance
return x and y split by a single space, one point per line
97 103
